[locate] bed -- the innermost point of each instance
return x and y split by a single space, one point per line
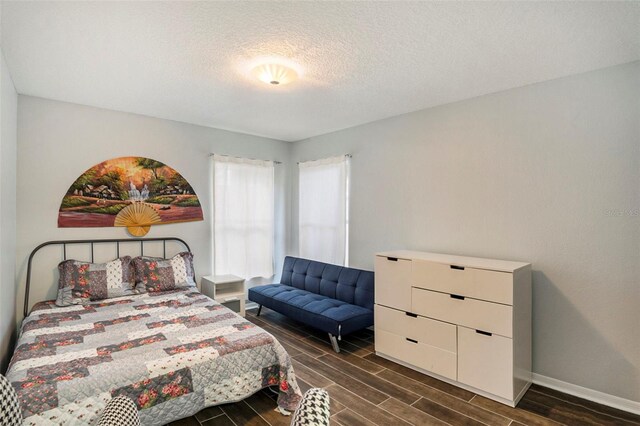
173 353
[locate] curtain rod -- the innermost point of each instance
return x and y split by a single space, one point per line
211 154
346 155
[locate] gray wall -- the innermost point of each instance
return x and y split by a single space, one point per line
547 173
59 141
8 141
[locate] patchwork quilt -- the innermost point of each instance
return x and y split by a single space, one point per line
173 353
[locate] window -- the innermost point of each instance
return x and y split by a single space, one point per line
243 216
324 210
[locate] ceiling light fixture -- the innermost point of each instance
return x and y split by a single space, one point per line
274 74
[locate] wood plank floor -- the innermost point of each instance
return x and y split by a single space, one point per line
368 390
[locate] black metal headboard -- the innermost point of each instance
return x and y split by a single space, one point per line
65 243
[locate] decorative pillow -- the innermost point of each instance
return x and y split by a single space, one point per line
10 411
314 409
81 282
120 411
158 274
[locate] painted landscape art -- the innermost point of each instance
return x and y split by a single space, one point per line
97 197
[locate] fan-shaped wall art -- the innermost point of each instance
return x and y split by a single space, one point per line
134 192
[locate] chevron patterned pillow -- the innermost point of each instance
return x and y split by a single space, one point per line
313 409
10 413
120 411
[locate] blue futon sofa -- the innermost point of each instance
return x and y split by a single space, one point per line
331 298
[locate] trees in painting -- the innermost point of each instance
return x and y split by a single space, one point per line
100 193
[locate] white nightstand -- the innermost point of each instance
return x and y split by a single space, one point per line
224 289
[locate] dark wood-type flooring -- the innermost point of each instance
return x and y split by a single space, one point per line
368 390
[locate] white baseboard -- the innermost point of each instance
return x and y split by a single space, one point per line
590 394
250 305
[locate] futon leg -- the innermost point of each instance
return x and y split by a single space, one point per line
334 343
259 309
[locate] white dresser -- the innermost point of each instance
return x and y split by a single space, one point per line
464 320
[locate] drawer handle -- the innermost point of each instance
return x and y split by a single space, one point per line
411 340
411 314
456 267
392 259
456 296
484 333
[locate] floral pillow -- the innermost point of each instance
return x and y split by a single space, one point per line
158 274
81 282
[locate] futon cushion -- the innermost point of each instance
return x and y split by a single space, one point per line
322 312
354 286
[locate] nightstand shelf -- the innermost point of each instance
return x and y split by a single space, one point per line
225 289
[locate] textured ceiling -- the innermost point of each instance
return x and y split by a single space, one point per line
361 61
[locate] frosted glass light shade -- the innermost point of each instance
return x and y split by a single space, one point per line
274 74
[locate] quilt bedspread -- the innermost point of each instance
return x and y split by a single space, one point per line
173 353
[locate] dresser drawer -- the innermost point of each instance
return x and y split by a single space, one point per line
417 354
472 313
481 284
392 286
428 331
485 362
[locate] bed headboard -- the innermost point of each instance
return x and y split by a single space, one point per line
92 244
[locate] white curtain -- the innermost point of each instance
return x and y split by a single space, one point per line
323 210
243 216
